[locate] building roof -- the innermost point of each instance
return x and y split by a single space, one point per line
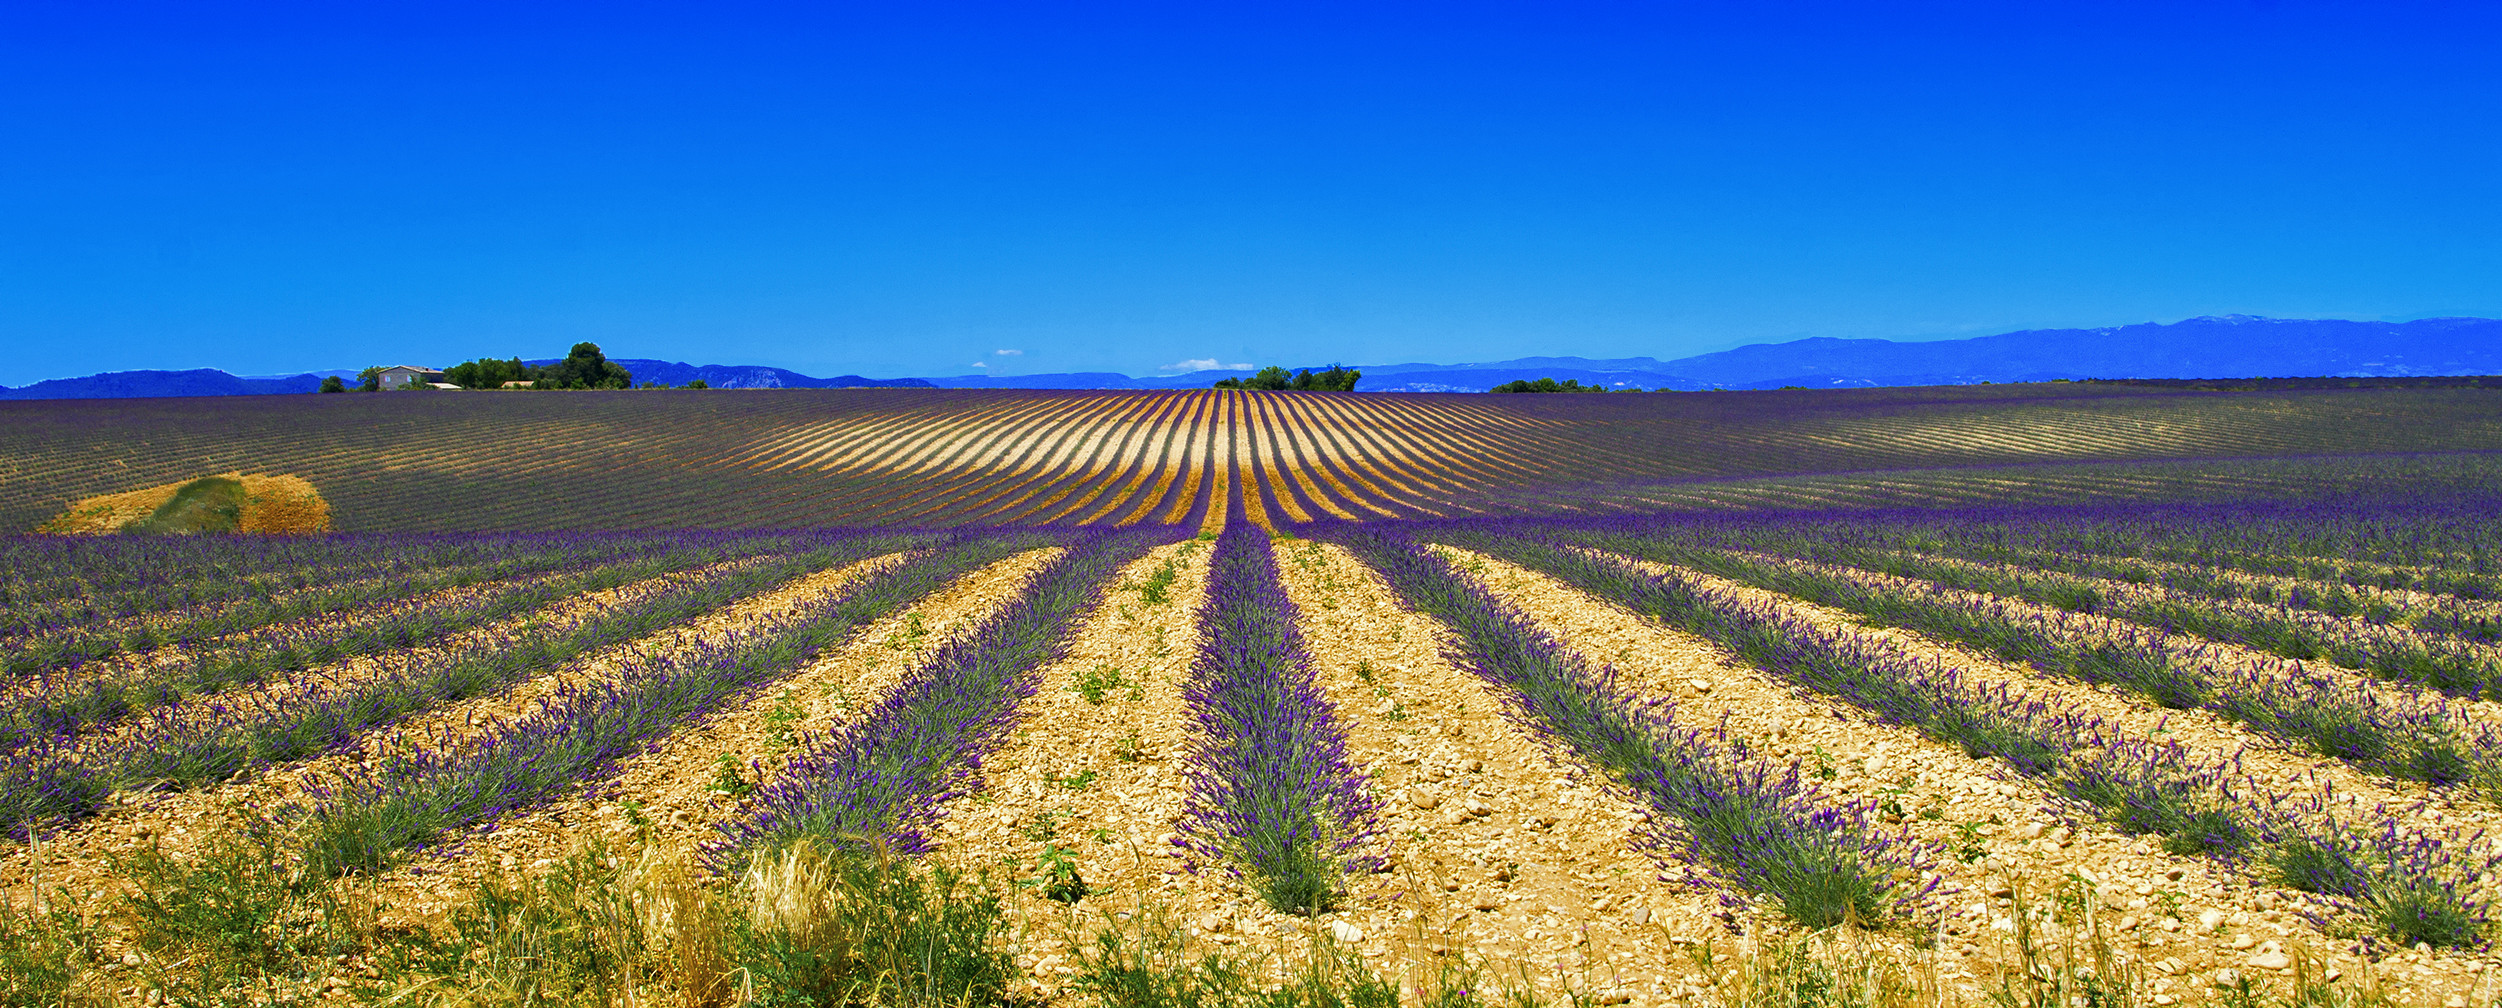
412 367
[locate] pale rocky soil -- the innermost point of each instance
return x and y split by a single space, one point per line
671 796
1498 846
1099 779
181 823
2206 733
2345 627
2245 907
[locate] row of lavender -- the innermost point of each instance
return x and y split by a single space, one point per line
1272 792
61 702
118 575
879 779
2408 884
2410 734
191 587
1757 823
197 741
2438 640
77 640
574 737
2442 546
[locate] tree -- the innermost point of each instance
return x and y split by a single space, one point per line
1273 378
585 368
488 373
333 384
697 384
1336 379
1547 385
369 380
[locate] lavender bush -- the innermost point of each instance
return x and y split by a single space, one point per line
2390 731
879 779
192 744
2138 786
42 707
68 634
1759 825
1271 788
578 733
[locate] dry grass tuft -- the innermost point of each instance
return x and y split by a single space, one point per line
273 505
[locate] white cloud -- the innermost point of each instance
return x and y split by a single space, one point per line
1007 353
1202 364
979 364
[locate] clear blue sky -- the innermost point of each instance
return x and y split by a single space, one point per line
911 188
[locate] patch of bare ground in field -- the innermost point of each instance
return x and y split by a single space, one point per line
2175 915
1497 849
182 823
1093 772
670 796
2166 919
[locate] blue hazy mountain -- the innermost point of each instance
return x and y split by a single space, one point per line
745 376
2228 346
159 384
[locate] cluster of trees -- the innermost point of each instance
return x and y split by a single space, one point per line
1551 385
1274 378
583 368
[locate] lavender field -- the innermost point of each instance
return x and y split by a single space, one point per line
2084 695
2125 752
764 458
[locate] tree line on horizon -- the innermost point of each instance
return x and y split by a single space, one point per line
584 367
1277 379
1519 385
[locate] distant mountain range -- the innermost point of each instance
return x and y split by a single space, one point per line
2229 346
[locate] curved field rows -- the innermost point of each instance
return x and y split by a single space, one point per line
1164 457
802 458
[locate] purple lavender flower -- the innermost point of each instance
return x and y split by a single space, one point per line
1272 790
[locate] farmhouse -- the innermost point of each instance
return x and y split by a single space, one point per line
400 376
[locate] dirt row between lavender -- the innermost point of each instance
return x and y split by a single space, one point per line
2138 884
1496 849
2406 598
2208 734
2218 651
181 823
1093 772
136 664
347 673
2221 651
669 797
